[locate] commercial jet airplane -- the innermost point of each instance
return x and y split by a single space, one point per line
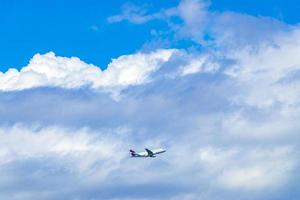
147 153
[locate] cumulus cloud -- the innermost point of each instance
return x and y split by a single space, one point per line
49 70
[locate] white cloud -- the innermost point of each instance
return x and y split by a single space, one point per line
264 74
272 125
199 64
192 13
232 30
133 14
78 151
139 15
49 70
133 69
192 19
195 16
253 169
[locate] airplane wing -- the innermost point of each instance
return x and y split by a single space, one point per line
150 153
158 151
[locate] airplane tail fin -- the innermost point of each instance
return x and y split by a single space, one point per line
132 152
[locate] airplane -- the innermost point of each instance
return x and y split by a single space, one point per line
147 153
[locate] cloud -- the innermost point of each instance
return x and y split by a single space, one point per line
227 114
188 18
267 66
94 28
77 150
232 30
99 164
49 70
254 169
195 21
202 63
173 98
194 14
138 14
53 158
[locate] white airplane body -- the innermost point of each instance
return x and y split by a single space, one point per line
147 153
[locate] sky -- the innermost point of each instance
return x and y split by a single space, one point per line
215 83
80 28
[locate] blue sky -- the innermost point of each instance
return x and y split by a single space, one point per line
216 83
68 28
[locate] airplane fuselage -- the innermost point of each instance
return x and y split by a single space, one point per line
147 153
